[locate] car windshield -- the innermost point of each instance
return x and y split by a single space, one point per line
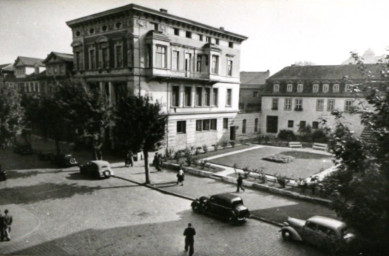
344 232
237 202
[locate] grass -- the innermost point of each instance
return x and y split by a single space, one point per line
304 165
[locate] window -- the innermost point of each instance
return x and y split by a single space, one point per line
348 105
335 88
289 87
330 105
315 88
213 124
302 124
208 39
290 123
155 26
298 104
92 59
199 125
315 125
148 56
78 60
217 41
175 96
176 31
91 31
244 122
160 57
188 62
199 61
215 64
206 125
256 125
229 97
288 104
231 44
104 58
104 28
229 67
276 88
188 96
118 55
207 97
311 225
215 97
175 60
255 94
201 37
326 87
320 105
188 34
199 94
300 88
181 126
274 104
119 25
347 88
225 123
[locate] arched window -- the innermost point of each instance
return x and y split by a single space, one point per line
244 126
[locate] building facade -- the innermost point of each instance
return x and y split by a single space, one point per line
298 96
190 68
59 69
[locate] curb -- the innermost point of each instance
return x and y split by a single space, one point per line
191 199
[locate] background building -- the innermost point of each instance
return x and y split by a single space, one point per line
190 68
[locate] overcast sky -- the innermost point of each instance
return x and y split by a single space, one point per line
281 32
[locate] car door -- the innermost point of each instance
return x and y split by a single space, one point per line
309 232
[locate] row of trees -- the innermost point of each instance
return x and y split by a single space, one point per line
86 116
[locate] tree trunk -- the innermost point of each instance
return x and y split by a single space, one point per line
147 173
57 146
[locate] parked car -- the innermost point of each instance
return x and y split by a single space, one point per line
317 230
23 149
96 169
63 160
3 174
226 206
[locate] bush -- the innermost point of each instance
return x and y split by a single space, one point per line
232 143
282 181
319 136
287 135
224 143
205 148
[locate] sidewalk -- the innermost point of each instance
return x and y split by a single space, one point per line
262 205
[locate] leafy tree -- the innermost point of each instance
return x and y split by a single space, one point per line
11 115
360 187
140 126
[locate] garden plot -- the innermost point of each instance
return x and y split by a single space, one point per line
303 165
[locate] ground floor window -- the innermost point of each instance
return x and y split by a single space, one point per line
181 126
225 123
206 125
315 125
290 123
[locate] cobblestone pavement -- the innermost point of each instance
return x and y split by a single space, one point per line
60 212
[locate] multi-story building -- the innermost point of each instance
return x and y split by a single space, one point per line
298 96
190 68
6 70
252 84
59 69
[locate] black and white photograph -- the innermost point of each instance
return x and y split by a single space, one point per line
194 127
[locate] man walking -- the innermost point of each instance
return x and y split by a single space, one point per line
239 183
129 159
7 221
1 227
189 234
156 162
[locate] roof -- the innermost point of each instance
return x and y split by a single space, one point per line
163 14
227 196
3 65
328 222
325 72
67 57
28 61
256 78
100 163
9 67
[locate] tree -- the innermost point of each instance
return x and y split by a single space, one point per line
360 186
11 115
140 126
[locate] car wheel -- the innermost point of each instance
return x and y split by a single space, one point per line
107 174
286 235
72 161
195 208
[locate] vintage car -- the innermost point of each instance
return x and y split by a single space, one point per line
61 160
226 206
23 149
317 230
96 169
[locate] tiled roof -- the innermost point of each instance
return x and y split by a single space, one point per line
254 77
8 67
28 61
67 57
325 72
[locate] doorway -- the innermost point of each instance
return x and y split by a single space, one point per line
272 124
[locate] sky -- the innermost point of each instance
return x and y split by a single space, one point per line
280 32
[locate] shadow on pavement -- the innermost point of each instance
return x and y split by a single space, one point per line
164 184
280 214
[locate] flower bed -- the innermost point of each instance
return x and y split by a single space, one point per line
279 158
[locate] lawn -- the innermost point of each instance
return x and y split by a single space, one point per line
304 165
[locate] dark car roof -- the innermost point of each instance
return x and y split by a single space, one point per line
228 196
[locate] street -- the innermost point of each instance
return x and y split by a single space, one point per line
60 212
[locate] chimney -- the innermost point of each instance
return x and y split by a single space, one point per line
163 10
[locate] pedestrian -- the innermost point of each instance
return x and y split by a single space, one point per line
1 227
239 183
180 176
7 221
189 234
129 159
156 162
